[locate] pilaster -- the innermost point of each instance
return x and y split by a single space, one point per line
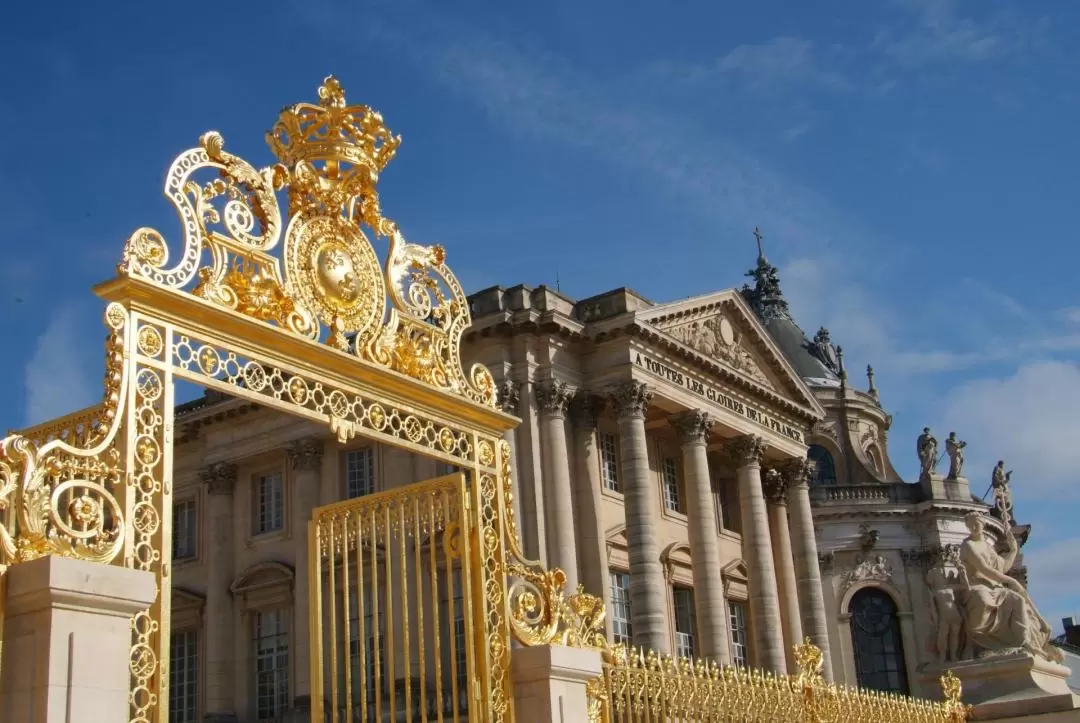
220 480
648 590
804 550
710 607
585 410
747 452
553 400
306 460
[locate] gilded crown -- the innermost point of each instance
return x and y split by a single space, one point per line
333 132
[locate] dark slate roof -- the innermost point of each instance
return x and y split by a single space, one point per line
796 348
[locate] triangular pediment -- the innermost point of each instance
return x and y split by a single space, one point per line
721 328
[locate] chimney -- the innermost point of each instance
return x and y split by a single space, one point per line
1072 631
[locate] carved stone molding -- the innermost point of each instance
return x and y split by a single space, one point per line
693 426
220 478
798 472
934 556
632 399
746 450
553 397
305 455
508 397
872 569
775 487
586 408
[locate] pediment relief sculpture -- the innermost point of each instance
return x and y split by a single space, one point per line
869 569
717 337
978 610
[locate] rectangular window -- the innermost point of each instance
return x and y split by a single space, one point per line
185 530
271 664
609 460
269 503
183 677
740 645
670 474
621 627
359 472
684 622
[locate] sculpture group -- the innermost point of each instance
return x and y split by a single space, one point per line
977 609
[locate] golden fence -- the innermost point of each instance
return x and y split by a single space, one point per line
642 687
394 620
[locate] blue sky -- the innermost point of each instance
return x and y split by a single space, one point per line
909 162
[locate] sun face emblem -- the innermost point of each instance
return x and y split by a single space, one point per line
337 275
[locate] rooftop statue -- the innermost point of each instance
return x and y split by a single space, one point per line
1002 503
822 348
955 449
926 446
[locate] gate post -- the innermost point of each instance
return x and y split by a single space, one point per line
67 640
550 683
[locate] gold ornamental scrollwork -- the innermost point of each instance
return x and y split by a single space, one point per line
407 315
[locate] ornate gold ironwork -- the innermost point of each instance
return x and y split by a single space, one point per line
320 329
332 285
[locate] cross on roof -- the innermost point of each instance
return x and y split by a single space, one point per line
758 236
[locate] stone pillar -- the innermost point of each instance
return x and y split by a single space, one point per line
305 456
776 494
550 683
747 452
648 589
710 607
220 645
553 398
509 399
805 553
67 640
585 411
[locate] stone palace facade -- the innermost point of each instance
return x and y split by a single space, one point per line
661 462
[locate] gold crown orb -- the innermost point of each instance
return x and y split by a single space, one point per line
333 132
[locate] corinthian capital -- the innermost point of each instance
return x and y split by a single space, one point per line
305 455
220 478
775 486
693 426
799 472
553 396
509 396
631 399
746 450
586 408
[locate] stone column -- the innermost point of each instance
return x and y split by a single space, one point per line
550 683
220 646
553 398
509 400
585 410
747 452
305 456
67 640
776 494
648 589
805 554
710 608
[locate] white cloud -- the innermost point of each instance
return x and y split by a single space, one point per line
58 379
781 61
1028 419
940 33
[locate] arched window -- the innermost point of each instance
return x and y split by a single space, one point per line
826 468
875 635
